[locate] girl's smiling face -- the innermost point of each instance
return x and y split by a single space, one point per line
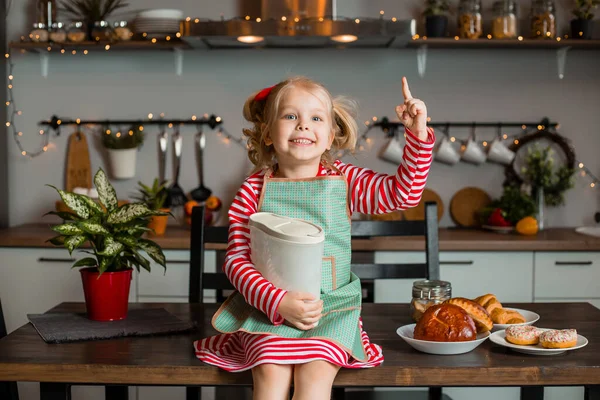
302 129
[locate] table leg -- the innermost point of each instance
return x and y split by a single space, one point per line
532 393
55 391
592 392
116 392
9 391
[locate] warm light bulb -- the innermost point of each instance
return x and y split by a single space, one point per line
197 20
118 134
45 148
194 117
592 184
218 119
24 153
85 52
78 121
170 125
107 47
130 132
516 141
250 39
505 136
453 139
374 118
20 133
258 19
74 52
357 21
283 18
10 77
520 38
344 38
580 165
141 128
484 144
153 40
41 131
62 51
150 116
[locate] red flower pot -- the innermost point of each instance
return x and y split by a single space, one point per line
107 295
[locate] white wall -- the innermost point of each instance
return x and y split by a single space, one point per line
460 85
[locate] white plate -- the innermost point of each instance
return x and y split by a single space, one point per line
442 348
499 229
530 318
500 338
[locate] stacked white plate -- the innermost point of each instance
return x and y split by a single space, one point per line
158 22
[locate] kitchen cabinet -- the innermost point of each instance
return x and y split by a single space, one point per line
567 275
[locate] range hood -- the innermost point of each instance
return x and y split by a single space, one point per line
297 24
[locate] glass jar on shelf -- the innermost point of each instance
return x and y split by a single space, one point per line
427 293
504 22
39 33
121 31
58 33
76 32
469 19
101 31
543 19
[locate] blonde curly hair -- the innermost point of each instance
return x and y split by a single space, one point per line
263 113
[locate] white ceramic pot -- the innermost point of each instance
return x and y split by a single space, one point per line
122 162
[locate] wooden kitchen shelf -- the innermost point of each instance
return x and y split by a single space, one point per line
146 45
484 43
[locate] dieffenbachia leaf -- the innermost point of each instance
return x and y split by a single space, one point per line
106 193
68 229
111 247
127 240
93 227
85 262
154 251
104 264
73 242
67 216
129 212
141 260
95 207
75 202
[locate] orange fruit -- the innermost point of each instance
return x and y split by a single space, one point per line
213 203
189 205
527 226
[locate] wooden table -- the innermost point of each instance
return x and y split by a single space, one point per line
170 361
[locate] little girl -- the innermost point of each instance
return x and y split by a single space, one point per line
298 127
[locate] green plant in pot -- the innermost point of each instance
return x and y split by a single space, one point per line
436 18
154 197
582 25
114 234
91 12
122 147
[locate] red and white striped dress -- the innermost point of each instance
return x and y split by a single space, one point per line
369 193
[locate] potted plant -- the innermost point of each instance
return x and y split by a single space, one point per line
114 234
582 26
90 12
154 197
122 150
436 18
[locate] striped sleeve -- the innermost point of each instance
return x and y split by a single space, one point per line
375 193
257 291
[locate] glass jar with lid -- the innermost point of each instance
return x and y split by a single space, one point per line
469 19
504 22
543 19
39 33
101 31
58 33
121 31
427 293
76 32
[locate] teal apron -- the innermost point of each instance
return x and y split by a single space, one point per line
321 200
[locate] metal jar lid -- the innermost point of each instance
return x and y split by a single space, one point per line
427 289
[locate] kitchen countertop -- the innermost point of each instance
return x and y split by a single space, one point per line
177 238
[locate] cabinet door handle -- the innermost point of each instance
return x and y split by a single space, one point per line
573 263
178 261
469 262
57 260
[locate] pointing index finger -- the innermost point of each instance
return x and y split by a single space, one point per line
405 90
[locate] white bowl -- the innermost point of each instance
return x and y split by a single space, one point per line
441 348
530 319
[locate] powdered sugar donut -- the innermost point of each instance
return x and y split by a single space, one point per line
523 334
558 338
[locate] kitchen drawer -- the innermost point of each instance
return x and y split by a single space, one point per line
175 282
508 275
567 275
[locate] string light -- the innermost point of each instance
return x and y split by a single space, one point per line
12 112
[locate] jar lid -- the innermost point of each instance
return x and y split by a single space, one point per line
76 24
57 25
119 24
101 24
289 229
427 289
39 25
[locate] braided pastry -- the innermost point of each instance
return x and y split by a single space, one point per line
499 314
482 319
489 302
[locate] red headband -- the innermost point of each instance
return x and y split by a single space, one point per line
263 94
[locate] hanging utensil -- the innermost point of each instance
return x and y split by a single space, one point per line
201 193
163 145
176 195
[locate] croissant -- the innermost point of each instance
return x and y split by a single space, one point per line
482 319
504 316
489 302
